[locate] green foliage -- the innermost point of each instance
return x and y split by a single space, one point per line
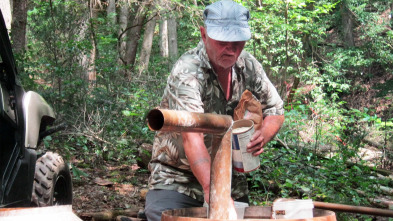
107 116
285 31
294 40
314 167
77 172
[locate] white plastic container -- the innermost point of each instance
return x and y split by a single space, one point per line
292 209
240 208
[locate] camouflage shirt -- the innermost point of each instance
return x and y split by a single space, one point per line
193 86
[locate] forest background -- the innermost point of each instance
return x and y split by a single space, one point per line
102 65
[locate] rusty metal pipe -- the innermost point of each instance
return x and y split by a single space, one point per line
183 121
220 181
354 209
221 169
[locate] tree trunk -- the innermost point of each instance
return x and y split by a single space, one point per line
133 34
19 21
111 12
163 28
172 40
91 73
164 38
147 41
347 26
85 34
284 71
308 52
391 15
123 21
5 6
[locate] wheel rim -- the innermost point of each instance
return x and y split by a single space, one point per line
60 195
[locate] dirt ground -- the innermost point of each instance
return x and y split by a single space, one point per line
114 188
110 187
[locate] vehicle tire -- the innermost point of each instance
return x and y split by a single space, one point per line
52 181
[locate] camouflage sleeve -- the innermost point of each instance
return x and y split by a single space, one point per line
183 91
263 88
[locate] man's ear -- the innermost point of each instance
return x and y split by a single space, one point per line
203 33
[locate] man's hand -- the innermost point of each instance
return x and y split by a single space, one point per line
271 125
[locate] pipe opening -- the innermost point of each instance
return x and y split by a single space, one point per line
155 119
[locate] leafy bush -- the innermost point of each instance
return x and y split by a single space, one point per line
316 154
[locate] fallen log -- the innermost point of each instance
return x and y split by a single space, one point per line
385 190
384 172
109 214
372 143
127 218
382 203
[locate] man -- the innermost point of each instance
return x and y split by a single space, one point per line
209 79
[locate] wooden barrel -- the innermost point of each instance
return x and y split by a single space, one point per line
253 212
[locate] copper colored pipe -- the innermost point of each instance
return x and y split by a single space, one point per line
353 209
183 121
221 169
220 180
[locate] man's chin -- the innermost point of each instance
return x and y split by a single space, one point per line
227 63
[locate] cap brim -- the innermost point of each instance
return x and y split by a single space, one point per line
229 33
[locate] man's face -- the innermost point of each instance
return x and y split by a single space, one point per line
221 54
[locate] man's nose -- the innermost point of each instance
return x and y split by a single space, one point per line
230 46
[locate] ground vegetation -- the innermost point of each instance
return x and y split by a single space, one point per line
332 62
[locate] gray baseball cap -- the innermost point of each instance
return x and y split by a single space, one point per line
226 20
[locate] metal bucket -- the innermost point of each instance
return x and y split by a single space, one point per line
252 212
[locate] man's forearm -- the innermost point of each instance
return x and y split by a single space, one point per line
198 158
270 126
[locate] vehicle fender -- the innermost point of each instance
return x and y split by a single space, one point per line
36 113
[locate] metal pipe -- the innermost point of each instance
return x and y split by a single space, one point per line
183 121
220 181
354 209
221 168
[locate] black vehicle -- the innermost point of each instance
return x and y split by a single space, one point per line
24 116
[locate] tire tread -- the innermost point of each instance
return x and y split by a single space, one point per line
47 169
